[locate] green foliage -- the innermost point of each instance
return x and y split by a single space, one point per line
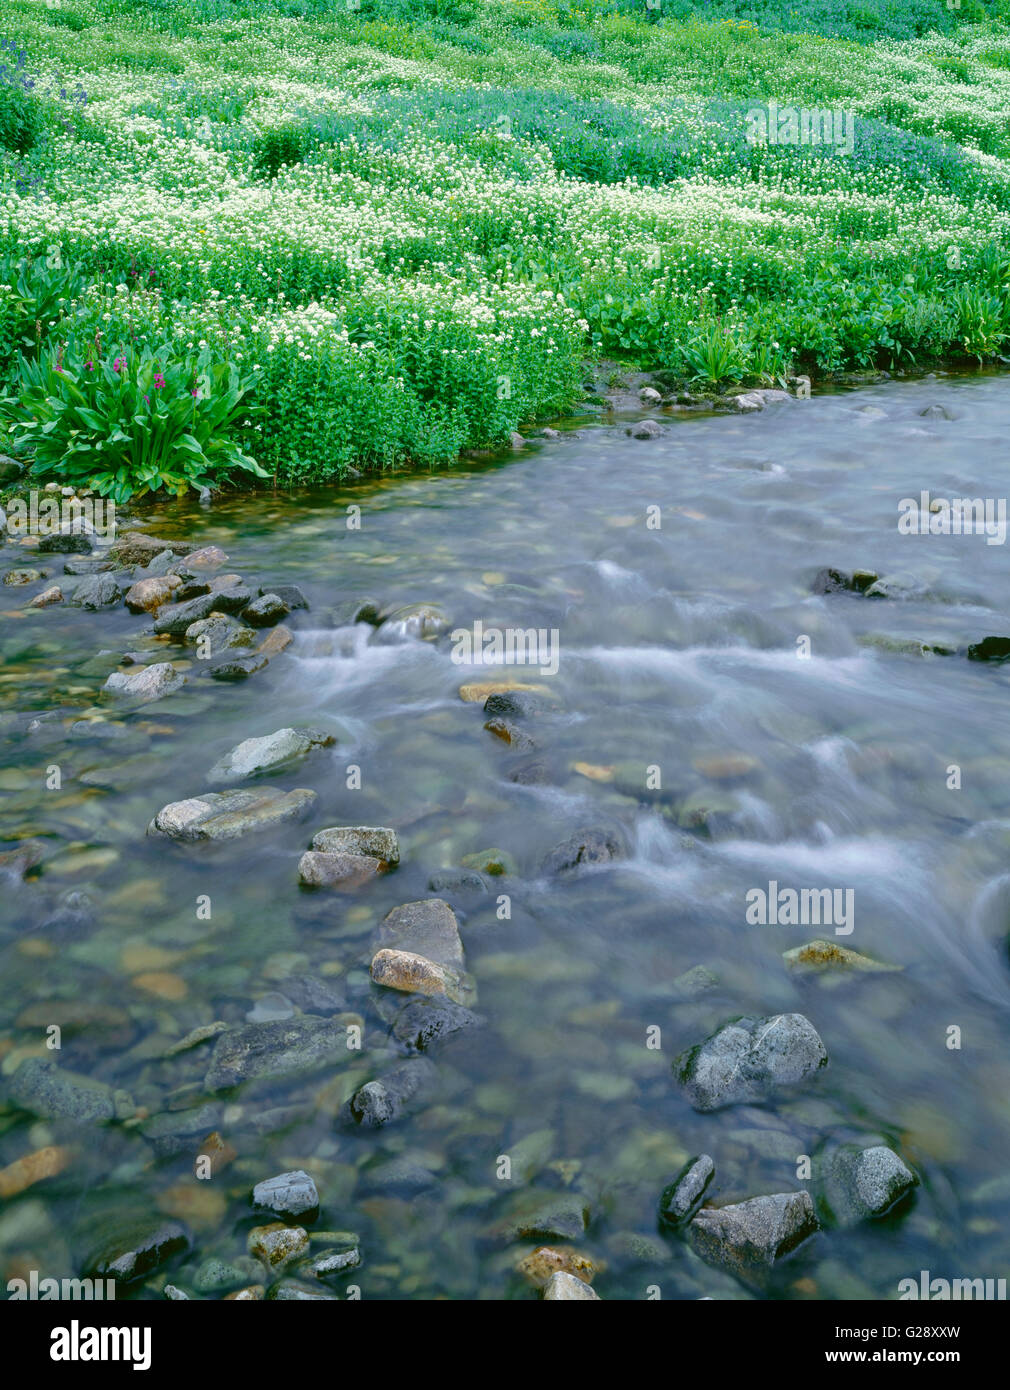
126 427
35 297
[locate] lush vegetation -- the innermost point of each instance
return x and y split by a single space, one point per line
392 231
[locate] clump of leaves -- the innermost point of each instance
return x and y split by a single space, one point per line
128 425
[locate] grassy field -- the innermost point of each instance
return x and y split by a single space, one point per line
288 236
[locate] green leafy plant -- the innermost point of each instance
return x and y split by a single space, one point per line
126 427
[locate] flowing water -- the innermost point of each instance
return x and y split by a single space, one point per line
795 738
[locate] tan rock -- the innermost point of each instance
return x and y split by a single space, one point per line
208 557
216 1154
162 984
538 1266
148 594
276 1244
32 1168
253 1292
276 640
54 594
413 974
478 691
826 955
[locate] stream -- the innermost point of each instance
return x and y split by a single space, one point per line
714 718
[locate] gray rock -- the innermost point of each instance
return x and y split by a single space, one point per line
426 928
283 1048
380 1102
255 755
327 1263
175 618
239 668
645 429
178 1131
376 841
423 1022
313 994
750 1059
293 1291
136 548
289 594
683 1197
215 1276
458 881
563 1216
588 847
96 591
137 1249
265 611
420 620
220 634
45 1089
226 815
562 1287
288 1194
749 1237
343 871
269 1007
865 1183
516 704
832 581
65 543
147 682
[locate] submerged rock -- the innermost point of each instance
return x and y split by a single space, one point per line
426 928
832 581
218 816
536 1216
864 1183
281 1048
264 754
682 1198
424 1022
288 1194
750 1060
41 1087
588 847
749 1237
136 548
562 1287
137 1250
826 955
419 620
380 1102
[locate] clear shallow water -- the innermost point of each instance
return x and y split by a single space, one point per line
678 646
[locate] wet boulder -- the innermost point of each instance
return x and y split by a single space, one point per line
861 1184
426 928
288 1194
990 649
137 1249
341 871
682 1198
414 974
750 1060
265 611
96 591
384 1100
832 581
748 1238
47 1090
